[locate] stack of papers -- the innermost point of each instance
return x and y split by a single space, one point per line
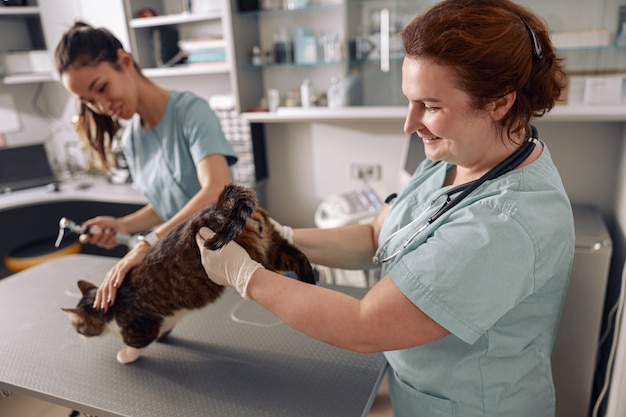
202 50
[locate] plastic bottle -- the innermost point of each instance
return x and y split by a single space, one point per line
282 47
257 60
305 93
334 94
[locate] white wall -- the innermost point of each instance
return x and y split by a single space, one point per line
309 161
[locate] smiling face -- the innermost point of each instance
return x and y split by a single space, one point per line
107 90
443 116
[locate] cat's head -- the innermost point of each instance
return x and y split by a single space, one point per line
87 320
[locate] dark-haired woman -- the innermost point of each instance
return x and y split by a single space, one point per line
177 153
472 286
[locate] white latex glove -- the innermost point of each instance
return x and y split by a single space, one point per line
285 231
230 266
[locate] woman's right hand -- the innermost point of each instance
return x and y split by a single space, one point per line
109 227
105 297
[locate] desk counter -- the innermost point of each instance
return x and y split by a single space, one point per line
31 216
89 188
232 358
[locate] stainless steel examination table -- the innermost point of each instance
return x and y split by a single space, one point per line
233 358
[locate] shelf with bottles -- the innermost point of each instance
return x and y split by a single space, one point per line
610 58
282 9
296 45
290 65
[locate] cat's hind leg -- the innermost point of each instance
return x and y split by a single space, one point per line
290 258
169 322
128 354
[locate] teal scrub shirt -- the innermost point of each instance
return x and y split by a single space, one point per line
162 160
493 271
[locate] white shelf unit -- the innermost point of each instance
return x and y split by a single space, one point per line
172 19
324 114
172 16
20 29
28 78
19 11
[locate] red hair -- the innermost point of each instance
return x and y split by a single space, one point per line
489 46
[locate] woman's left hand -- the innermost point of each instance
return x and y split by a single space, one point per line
105 297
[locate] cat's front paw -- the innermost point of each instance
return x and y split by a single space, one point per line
128 355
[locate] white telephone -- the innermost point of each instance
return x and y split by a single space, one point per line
348 208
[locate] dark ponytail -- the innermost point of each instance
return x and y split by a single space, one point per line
83 45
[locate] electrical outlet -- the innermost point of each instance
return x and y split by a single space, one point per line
366 172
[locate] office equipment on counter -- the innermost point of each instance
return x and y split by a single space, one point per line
363 203
347 208
25 167
232 358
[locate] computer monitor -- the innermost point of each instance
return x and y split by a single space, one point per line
413 154
25 167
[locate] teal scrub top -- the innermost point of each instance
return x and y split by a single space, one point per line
493 271
162 160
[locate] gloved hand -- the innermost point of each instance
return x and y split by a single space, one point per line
285 231
230 266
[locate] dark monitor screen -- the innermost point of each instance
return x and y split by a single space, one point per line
413 155
24 167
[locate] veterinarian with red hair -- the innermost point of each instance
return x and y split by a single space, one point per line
173 144
473 281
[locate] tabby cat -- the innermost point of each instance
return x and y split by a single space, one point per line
171 281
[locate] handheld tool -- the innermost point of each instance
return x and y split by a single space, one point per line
67 224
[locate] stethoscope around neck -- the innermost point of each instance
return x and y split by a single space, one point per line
445 202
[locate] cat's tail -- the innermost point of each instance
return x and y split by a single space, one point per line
230 214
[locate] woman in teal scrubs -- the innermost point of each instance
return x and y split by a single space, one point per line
469 301
173 143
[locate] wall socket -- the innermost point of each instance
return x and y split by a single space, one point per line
366 172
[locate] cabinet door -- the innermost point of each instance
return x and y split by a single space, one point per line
375 49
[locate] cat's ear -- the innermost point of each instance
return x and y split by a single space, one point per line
76 314
85 286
